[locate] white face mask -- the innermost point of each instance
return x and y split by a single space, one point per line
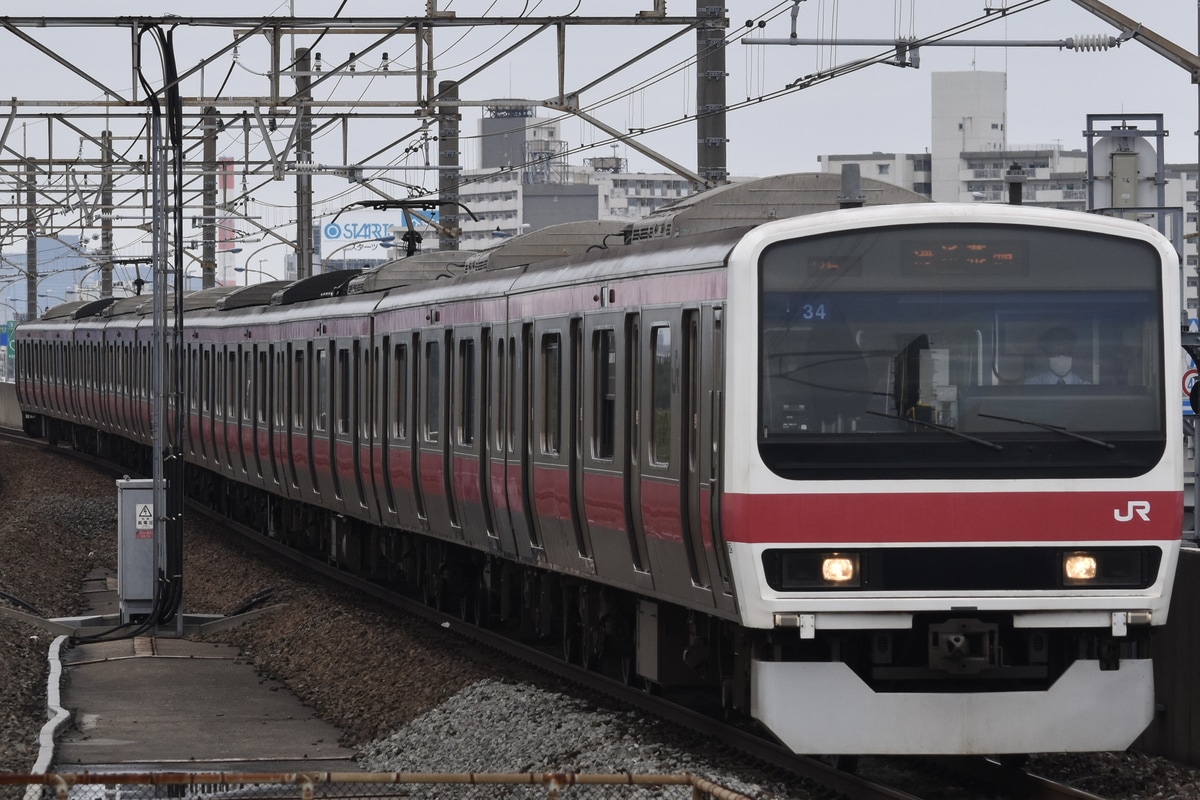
1060 365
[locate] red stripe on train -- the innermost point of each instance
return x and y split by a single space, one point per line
953 517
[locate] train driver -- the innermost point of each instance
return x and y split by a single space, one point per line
1057 346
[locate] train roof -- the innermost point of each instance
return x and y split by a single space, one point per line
325 284
259 294
552 243
764 200
127 305
78 309
416 268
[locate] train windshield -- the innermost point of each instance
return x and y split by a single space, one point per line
947 351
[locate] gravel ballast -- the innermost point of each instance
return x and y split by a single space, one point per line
407 696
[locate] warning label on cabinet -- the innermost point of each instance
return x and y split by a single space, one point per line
144 520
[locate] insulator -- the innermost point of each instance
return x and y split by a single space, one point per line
1091 42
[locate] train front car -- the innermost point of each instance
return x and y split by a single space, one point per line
953 492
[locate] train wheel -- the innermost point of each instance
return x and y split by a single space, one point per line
628 667
728 712
842 763
483 605
572 640
433 594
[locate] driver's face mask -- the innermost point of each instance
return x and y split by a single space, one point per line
1060 365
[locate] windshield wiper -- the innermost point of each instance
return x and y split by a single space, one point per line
942 428
1055 428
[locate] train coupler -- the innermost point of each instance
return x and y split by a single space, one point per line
964 646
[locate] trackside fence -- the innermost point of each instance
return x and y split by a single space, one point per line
359 786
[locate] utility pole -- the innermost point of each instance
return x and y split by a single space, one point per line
305 241
711 143
448 157
31 265
208 236
106 213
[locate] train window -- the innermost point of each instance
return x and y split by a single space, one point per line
400 392
433 391
959 351
551 393
192 368
321 395
343 409
660 393
231 385
281 384
511 401
299 391
501 395
262 382
466 388
366 420
604 358
247 386
218 400
205 373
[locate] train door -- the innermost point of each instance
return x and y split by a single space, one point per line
576 442
272 409
525 369
666 460
486 423
204 421
396 433
550 492
514 516
382 437
694 527
229 409
606 450
468 404
414 421
497 396
296 406
360 430
711 446
247 435
314 390
433 448
191 395
338 432
632 434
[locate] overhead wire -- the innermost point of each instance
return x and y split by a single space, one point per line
797 85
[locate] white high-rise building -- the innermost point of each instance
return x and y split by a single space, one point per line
969 113
970 153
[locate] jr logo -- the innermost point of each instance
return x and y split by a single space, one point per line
1139 507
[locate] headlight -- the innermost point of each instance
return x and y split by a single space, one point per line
1079 567
802 570
838 569
1105 568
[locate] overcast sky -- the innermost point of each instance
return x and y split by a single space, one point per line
878 108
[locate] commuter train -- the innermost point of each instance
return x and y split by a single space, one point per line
808 465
